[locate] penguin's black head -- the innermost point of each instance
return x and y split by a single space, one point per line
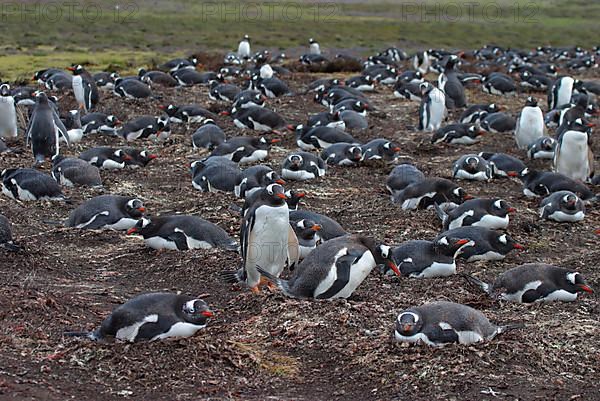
273 178
307 229
113 121
505 243
548 144
531 102
381 253
355 153
408 323
471 164
246 37
294 198
569 201
139 226
41 98
295 161
452 246
196 311
5 90
577 283
145 157
274 194
390 149
311 41
502 208
76 69
458 195
135 208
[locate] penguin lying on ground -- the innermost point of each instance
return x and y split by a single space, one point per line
488 244
542 148
208 136
400 177
152 316
254 178
472 167
107 212
429 191
535 282
27 184
490 213
342 154
440 323
105 157
543 183
329 227
306 232
302 166
215 173
70 171
335 268
504 165
380 149
137 158
562 206
463 134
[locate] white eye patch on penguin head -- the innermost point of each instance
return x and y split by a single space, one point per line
503 239
385 251
197 309
408 323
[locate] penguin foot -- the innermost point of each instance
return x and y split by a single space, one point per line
255 290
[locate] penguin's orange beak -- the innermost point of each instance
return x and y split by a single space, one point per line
141 209
396 149
152 157
586 288
316 227
282 196
132 230
207 313
290 127
512 174
518 246
280 181
462 241
70 68
224 113
512 210
468 197
394 268
275 140
302 195
127 157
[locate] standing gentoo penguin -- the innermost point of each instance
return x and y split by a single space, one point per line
113 212
489 244
105 157
439 323
44 130
400 177
335 268
70 171
543 183
543 148
6 238
433 108
426 259
244 48
314 47
562 206
535 282
449 83
490 213
573 156
302 166
84 88
152 316
530 124
472 167
429 191
182 232
27 184
8 114
560 93
267 239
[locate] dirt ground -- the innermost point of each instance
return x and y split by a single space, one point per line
267 346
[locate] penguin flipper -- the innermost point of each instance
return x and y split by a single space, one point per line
441 214
293 250
485 287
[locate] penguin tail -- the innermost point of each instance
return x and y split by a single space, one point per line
509 327
92 335
440 213
281 284
54 222
11 246
485 287
231 246
233 277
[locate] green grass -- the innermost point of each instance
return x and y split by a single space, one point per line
162 28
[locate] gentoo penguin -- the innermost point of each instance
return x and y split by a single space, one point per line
6 237
411 77
216 173
426 259
246 99
342 154
208 136
489 213
131 89
244 48
476 112
105 157
180 64
222 91
335 268
182 232
266 71
504 165
440 323
112 212
254 178
560 93
408 90
421 62
535 282
499 84
84 88
73 125
44 130
273 87
27 184
489 244
353 121
294 198
319 137
152 316
306 232
187 113
245 149
573 155
314 47
300 166
191 77
562 206
449 83
352 104
329 227
530 124
498 122
103 79
537 82
363 83
8 114
543 183
267 239
23 95
258 119
99 123
142 127
463 134
542 148
433 108
70 171
60 81
380 149
472 167
402 176
138 158
156 78
429 191
326 119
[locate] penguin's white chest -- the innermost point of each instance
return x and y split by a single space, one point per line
179 329
531 126
8 117
565 92
572 158
78 89
359 270
437 269
268 244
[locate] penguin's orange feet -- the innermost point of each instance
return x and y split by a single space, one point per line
271 287
255 289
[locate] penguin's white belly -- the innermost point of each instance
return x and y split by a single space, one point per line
239 124
529 193
193 243
257 155
415 338
464 337
305 145
572 159
478 176
559 295
358 272
78 89
8 117
7 192
464 140
563 217
518 296
129 333
305 250
92 219
160 243
244 49
298 175
413 203
531 127
437 110
179 329
565 92
489 255
268 247
124 223
257 126
175 120
493 222
26 195
459 221
75 135
436 270
321 142
543 154
112 165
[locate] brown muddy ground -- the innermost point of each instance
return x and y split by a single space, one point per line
267 346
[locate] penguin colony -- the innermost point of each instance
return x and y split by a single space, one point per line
283 246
